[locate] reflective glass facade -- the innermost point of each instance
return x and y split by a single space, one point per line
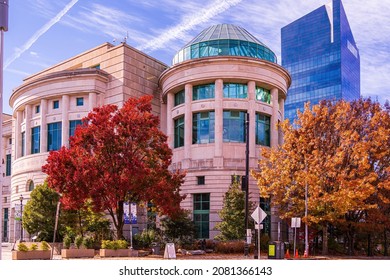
35 139
224 39
179 132
203 92
202 214
263 132
234 126
54 136
203 128
179 98
72 126
321 55
231 90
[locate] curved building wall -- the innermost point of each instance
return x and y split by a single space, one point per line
49 104
210 164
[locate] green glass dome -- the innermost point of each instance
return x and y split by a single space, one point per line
221 40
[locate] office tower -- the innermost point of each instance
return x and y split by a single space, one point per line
321 55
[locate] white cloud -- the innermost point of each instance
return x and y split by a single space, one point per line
189 21
39 33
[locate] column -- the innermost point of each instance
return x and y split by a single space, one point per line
65 121
282 108
170 128
187 125
218 153
163 117
28 129
274 117
252 118
43 110
18 135
92 101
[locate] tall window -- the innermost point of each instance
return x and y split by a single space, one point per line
54 136
263 95
30 185
37 109
35 139
23 143
263 133
231 90
179 98
203 92
233 126
179 132
73 125
202 214
8 166
203 127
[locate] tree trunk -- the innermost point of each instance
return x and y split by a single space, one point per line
369 245
120 221
385 245
325 239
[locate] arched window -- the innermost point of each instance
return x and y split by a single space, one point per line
30 185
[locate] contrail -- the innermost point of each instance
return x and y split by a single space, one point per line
39 33
188 23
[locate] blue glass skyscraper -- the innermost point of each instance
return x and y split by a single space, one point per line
321 55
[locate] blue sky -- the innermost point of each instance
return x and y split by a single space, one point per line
45 32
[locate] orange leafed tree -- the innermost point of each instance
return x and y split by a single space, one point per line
117 156
340 153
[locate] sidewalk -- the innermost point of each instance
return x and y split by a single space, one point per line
6 251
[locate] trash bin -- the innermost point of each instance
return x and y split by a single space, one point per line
276 250
155 249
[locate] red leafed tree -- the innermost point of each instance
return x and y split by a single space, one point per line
116 156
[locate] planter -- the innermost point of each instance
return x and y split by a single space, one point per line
32 255
104 253
77 253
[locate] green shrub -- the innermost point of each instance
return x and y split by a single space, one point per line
45 246
114 244
67 241
78 241
22 247
34 247
88 242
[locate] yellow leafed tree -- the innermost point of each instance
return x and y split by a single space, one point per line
340 152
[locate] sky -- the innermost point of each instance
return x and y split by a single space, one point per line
45 32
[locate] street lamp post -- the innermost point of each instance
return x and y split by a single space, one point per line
246 182
21 218
3 28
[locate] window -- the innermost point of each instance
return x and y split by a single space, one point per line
201 180
8 166
10 141
56 104
179 98
235 90
37 109
203 127
79 101
54 136
30 185
263 95
35 139
203 92
234 126
179 132
236 179
263 133
202 214
73 125
23 143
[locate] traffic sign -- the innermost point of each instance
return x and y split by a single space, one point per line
258 215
